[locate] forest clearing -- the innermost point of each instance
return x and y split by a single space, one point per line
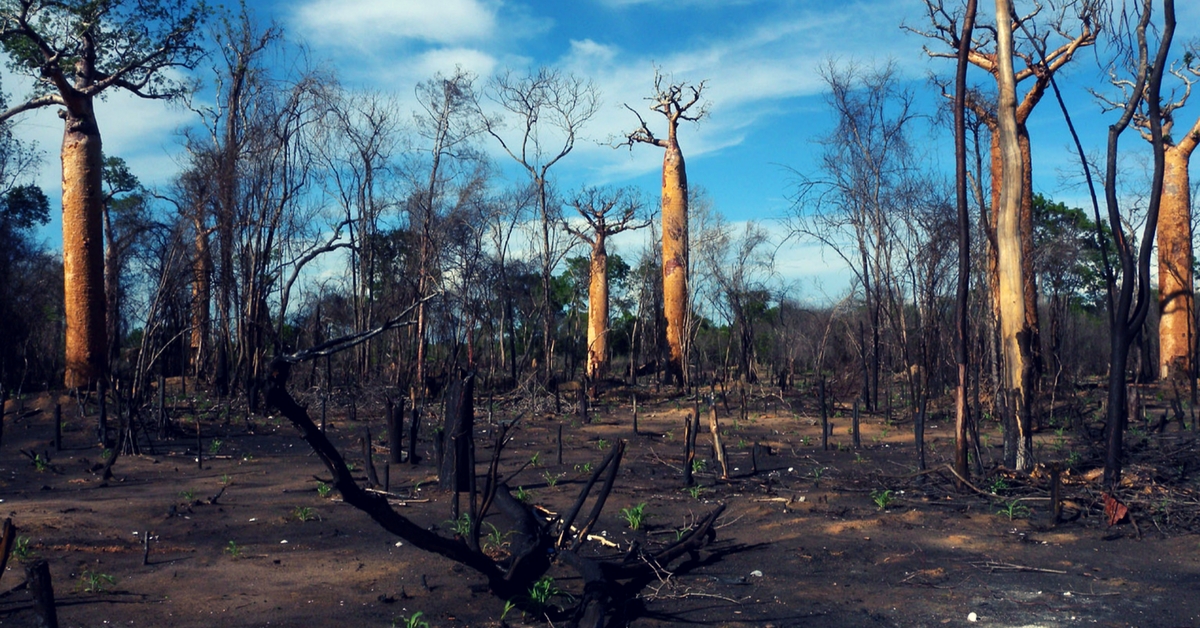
361 341
839 537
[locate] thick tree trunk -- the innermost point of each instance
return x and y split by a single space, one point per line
83 248
1016 336
675 255
597 339
1175 292
1028 276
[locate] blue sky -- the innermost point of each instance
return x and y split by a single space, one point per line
760 59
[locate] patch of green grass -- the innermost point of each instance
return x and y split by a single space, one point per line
535 459
551 478
1014 510
634 515
412 621
214 447
324 489
461 526
94 582
21 550
543 592
699 465
234 550
303 513
522 495
188 495
695 491
882 498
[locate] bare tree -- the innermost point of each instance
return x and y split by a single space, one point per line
961 355
550 108
607 213
1128 307
75 51
1074 23
852 205
676 102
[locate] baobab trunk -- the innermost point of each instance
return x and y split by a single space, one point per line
675 254
83 248
597 355
1176 332
1015 334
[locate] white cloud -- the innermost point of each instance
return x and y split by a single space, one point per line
367 23
445 60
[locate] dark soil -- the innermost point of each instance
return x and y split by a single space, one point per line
247 540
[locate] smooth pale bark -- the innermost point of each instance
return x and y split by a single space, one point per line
597 354
675 253
83 250
1015 335
1176 296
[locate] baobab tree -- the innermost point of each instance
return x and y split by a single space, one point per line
676 102
1075 24
607 213
74 50
1176 294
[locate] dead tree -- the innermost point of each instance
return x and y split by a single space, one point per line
536 543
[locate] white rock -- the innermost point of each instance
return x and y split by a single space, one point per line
972 617
756 573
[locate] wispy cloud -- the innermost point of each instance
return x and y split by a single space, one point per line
367 23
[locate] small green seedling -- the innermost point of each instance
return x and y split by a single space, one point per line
304 513
882 498
92 582
234 550
634 515
324 489
214 447
1014 510
461 526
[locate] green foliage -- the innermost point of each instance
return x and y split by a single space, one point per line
21 550
551 478
226 480
1014 510
188 495
634 515
522 495
461 526
535 459
998 485
495 539
149 37
699 465
412 621
1067 260
94 582
324 489
303 513
695 491
234 550
882 498
543 592
214 447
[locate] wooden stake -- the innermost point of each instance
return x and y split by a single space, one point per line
714 426
824 414
854 427
145 548
560 443
689 453
635 425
